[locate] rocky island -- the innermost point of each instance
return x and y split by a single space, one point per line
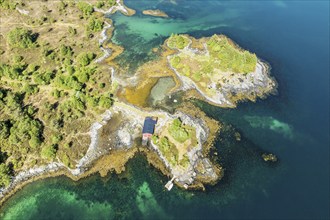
67 107
155 13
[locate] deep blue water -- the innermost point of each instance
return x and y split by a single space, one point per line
293 36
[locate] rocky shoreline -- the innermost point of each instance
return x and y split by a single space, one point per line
244 87
121 141
57 168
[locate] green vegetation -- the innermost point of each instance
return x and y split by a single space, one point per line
184 162
177 41
49 152
178 132
168 149
21 38
94 25
231 58
175 61
50 89
86 9
4 175
105 3
222 56
8 4
84 59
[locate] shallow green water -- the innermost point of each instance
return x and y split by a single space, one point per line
294 38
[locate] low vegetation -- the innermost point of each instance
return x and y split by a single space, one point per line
177 41
178 131
174 147
230 57
168 149
21 38
222 55
49 83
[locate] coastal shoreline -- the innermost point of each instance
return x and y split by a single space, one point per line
96 161
54 169
264 85
103 162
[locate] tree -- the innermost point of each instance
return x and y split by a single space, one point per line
84 59
21 38
4 175
35 142
72 31
8 4
95 24
82 76
4 129
66 51
86 9
49 152
105 102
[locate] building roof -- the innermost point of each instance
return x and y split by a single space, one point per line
149 125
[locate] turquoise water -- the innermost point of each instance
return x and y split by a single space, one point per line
294 38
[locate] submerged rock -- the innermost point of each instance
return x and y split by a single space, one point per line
269 157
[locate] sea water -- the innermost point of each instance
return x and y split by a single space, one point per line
293 36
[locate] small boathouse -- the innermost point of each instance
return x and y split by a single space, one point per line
148 129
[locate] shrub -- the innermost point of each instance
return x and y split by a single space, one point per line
49 152
94 24
35 142
30 89
86 9
66 51
4 129
65 160
85 59
105 102
21 38
72 31
178 132
99 4
8 4
169 151
4 175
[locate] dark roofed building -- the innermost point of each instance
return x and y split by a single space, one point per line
148 129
